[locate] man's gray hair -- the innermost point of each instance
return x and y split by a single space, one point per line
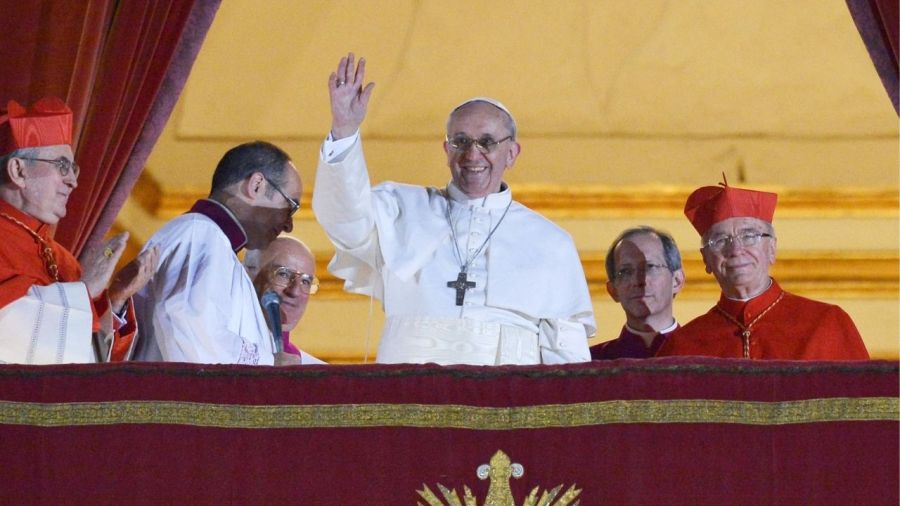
19 153
670 249
510 122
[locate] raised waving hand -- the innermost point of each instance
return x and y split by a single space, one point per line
349 98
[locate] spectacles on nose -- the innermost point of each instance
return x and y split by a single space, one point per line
63 164
282 277
649 270
484 145
745 240
294 204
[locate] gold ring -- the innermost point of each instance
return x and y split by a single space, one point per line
108 252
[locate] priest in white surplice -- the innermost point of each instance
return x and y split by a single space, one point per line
201 306
465 274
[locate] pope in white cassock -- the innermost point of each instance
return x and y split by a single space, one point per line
465 274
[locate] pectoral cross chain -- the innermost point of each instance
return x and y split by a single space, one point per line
461 285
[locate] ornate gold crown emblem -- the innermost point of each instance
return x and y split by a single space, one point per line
499 471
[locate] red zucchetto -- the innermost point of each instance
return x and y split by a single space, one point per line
48 122
711 204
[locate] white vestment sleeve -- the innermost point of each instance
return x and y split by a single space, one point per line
334 151
49 325
342 202
342 199
564 341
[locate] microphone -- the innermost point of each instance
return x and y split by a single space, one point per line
271 304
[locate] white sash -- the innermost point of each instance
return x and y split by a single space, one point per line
49 325
445 341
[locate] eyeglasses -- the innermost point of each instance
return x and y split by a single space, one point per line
282 277
649 270
293 203
63 164
745 240
484 145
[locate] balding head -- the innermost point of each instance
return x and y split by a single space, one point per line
290 253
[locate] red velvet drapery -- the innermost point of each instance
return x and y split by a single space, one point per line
878 22
109 59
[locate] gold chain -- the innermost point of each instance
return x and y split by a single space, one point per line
46 251
745 331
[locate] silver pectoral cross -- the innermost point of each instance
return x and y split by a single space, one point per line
461 285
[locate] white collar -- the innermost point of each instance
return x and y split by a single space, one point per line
652 333
497 200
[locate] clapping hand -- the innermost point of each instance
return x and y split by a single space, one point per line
132 278
349 99
98 262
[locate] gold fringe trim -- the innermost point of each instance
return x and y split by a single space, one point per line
449 416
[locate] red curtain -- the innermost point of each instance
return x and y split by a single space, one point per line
878 23
120 65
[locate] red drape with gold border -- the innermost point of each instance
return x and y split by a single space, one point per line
659 431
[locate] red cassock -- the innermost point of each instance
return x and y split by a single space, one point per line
790 328
21 266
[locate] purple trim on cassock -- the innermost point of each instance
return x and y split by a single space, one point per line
627 345
286 344
224 219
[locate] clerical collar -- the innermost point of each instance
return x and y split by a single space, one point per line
652 333
753 297
30 221
225 219
497 200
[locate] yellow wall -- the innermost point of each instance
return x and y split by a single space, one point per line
623 107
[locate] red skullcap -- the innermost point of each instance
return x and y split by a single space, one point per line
48 122
711 204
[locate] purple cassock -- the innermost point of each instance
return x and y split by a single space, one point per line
629 345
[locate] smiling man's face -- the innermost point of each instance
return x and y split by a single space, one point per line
479 174
46 191
742 271
293 255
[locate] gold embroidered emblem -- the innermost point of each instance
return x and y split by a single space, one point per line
499 471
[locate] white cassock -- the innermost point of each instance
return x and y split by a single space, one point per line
200 306
49 325
530 303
